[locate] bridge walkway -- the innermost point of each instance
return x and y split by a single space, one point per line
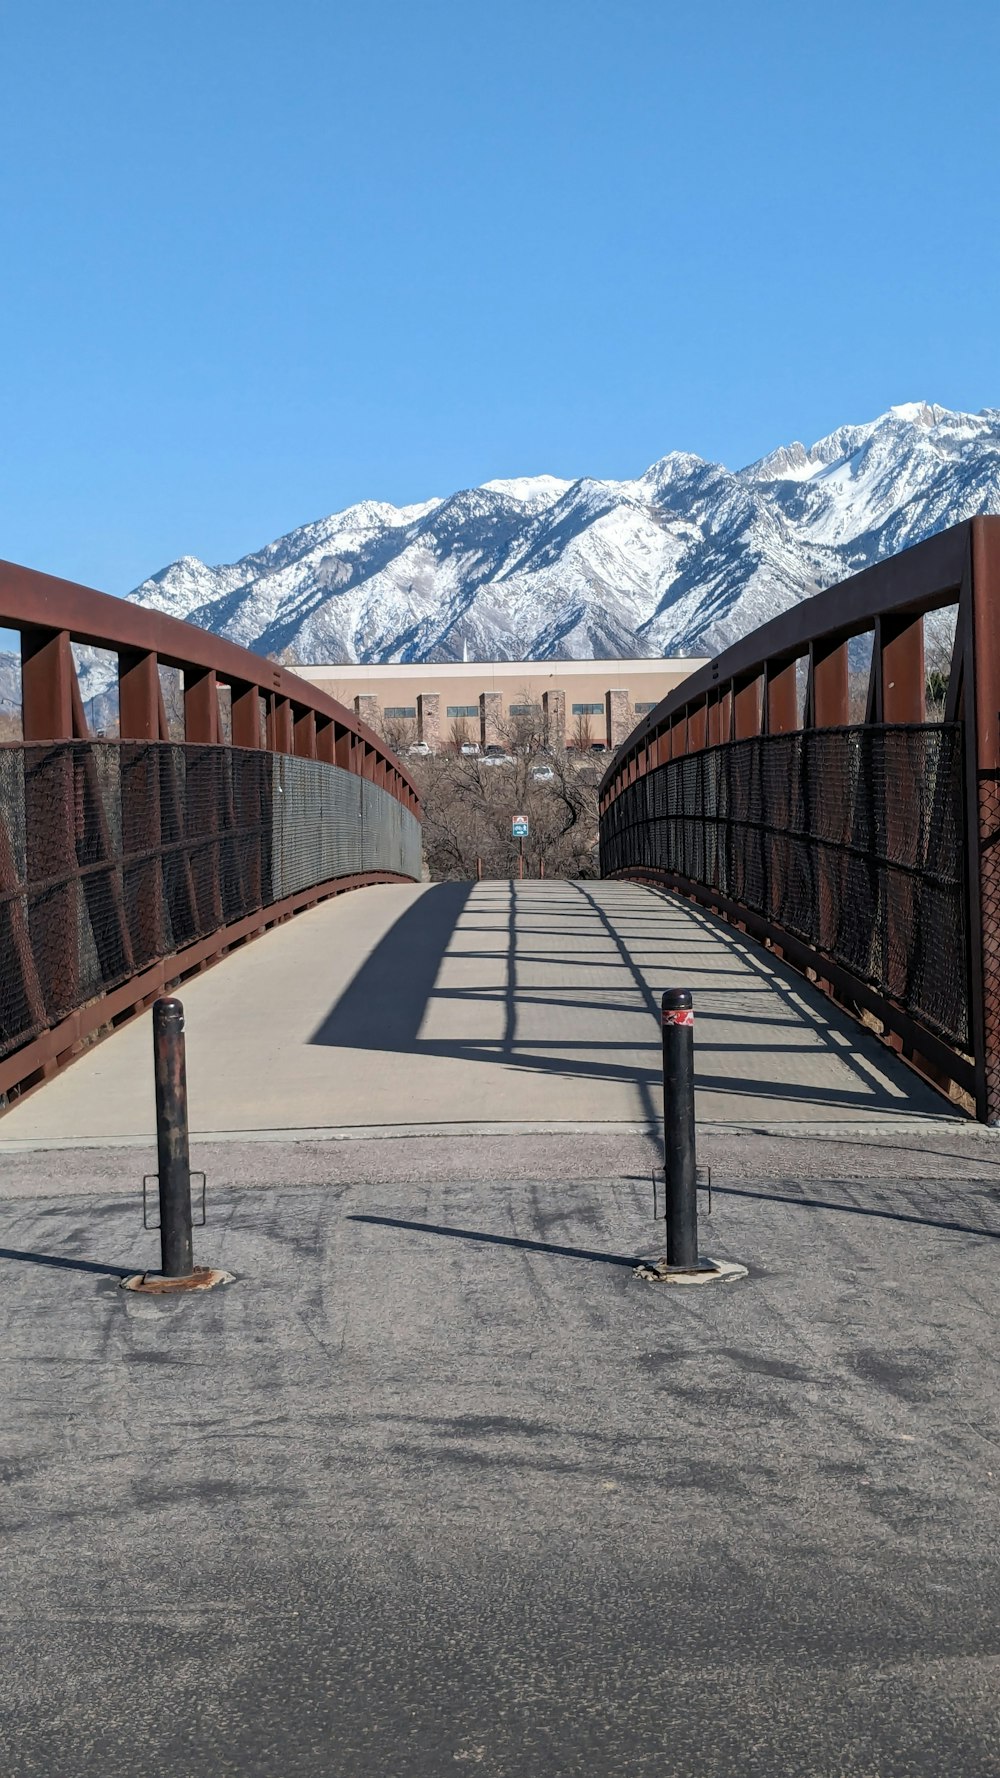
454 1005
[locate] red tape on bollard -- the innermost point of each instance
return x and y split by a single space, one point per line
683 1016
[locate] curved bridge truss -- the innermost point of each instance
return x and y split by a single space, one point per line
127 863
816 787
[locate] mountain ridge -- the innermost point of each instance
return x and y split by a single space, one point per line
685 558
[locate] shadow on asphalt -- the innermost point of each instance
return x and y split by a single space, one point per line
437 1228
68 1265
924 1222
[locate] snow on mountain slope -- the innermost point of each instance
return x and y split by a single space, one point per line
688 556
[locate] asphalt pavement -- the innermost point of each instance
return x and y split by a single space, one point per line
438 1483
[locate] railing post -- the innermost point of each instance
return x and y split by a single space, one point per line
982 713
139 701
245 714
201 706
173 1159
48 679
781 697
679 1157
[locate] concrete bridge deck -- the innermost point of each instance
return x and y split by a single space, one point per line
458 1005
439 1485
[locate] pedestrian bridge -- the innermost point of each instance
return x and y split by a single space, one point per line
804 832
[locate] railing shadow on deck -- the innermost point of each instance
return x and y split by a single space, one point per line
397 992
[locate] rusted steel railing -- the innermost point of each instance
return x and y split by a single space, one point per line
848 818
128 863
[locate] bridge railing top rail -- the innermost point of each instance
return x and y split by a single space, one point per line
271 706
752 687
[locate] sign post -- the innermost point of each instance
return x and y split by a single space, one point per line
519 831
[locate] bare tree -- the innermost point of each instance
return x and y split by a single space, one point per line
469 806
939 645
522 730
398 732
583 733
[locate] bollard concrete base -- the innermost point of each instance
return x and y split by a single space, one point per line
154 1283
707 1271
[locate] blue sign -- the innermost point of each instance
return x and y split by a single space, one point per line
519 827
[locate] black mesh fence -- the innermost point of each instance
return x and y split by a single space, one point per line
113 855
850 839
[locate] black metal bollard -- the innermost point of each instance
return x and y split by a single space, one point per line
177 1254
679 1160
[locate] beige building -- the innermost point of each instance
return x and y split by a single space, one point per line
594 701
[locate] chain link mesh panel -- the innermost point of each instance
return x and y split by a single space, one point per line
114 855
849 839
988 799
331 823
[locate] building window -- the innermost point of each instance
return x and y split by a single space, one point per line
403 710
588 709
524 709
460 710
644 709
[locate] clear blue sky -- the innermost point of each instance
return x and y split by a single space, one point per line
262 260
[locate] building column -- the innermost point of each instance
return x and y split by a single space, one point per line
554 718
429 719
617 717
490 718
366 708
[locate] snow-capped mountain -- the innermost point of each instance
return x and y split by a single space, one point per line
689 556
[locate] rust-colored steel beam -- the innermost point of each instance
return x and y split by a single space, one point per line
697 729
900 672
201 707
246 715
52 814
48 676
326 732
747 708
983 730
897 697
139 697
304 734
828 697
781 697
279 725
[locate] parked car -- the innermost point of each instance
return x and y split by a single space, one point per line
542 774
469 748
421 749
598 747
497 756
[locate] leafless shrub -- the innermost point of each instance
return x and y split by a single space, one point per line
469 806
